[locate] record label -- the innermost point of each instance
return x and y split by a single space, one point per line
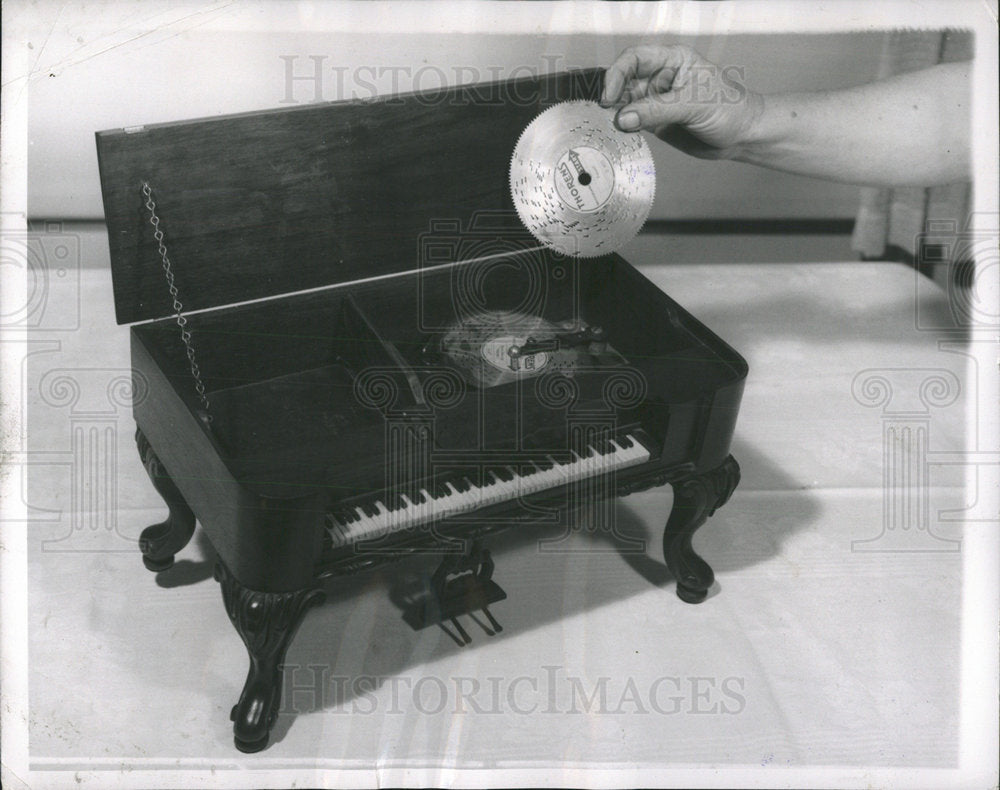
585 179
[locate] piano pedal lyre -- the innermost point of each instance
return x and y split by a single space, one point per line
462 585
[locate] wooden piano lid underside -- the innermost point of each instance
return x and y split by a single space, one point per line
274 202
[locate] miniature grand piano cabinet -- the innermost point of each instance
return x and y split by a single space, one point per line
296 408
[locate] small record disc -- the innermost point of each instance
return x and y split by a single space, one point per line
496 347
579 184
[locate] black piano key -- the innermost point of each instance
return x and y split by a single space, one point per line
503 473
416 497
562 457
587 447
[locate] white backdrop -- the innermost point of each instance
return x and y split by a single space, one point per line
104 65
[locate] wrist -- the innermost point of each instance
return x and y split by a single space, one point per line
757 134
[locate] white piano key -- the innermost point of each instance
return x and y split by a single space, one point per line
504 487
426 508
393 519
412 508
365 523
526 481
541 476
555 473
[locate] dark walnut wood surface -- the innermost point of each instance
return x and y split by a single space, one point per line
274 202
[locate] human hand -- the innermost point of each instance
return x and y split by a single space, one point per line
687 101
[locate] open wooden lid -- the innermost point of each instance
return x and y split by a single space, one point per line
267 203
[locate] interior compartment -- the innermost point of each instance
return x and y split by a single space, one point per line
279 375
673 356
285 377
643 325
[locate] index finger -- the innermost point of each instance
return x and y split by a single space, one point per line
641 62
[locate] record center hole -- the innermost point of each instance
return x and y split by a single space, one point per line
584 178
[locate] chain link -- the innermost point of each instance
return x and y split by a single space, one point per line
168 272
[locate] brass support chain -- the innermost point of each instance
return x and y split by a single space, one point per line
168 272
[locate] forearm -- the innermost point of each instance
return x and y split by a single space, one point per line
908 130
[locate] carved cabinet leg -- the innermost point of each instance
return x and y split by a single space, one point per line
266 622
160 542
695 499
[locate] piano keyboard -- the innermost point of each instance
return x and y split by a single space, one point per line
349 524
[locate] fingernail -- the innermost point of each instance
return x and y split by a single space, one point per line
628 121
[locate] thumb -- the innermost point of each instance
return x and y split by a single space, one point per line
655 111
